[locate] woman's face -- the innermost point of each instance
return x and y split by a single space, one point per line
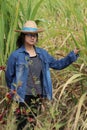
30 39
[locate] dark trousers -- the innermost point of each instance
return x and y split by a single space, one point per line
34 103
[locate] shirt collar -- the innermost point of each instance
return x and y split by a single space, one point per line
22 49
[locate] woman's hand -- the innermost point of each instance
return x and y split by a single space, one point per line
76 51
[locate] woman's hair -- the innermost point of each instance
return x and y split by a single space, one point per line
21 39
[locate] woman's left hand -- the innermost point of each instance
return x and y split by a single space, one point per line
76 51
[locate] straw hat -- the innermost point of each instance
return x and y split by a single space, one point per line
30 27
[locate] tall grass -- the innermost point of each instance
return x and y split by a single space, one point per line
13 15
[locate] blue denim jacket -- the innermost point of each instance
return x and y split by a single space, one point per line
17 70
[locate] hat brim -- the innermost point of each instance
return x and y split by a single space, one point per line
25 32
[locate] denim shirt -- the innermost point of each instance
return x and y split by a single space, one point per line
17 70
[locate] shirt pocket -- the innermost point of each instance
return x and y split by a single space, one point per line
20 67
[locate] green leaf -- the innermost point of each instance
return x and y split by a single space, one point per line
85 35
76 44
34 12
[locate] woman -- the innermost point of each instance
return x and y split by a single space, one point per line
28 67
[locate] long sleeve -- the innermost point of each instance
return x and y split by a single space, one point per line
61 63
10 70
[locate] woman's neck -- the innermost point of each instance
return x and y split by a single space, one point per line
31 50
